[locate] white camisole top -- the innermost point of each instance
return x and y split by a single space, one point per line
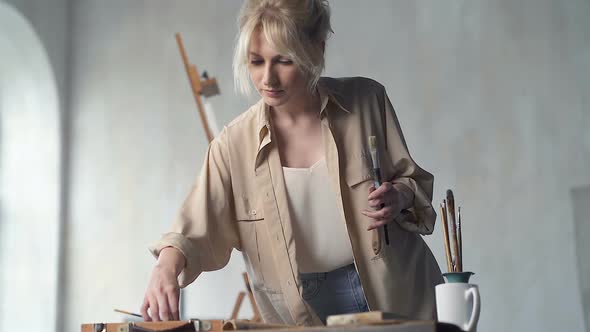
319 228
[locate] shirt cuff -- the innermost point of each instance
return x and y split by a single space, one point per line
421 216
192 268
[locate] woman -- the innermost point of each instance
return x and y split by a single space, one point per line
289 184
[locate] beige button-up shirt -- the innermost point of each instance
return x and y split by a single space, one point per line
239 202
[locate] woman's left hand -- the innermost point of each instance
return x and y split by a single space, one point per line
385 202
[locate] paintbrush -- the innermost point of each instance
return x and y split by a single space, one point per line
452 221
377 183
459 237
443 214
127 313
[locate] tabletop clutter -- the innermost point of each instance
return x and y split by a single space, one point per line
374 321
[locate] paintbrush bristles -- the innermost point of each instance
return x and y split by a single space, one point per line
375 157
450 195
372 143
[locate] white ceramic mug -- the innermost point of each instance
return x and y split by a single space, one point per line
458 303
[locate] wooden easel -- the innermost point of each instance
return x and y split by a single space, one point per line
240 299
206 86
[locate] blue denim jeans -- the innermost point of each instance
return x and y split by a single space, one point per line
335 292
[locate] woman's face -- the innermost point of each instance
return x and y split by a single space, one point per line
275 76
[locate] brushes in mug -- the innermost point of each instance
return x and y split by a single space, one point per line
443 216
453 222
377 183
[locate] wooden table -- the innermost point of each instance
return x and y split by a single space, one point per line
216 325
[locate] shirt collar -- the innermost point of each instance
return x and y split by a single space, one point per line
328 93
331 92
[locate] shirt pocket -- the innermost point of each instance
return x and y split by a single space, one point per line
249 213
248 208
358 169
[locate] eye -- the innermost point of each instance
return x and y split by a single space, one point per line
256 62
286 61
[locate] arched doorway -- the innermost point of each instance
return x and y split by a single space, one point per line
29 178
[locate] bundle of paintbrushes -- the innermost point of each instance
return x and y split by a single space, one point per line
454 247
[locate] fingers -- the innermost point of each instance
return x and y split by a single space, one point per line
381 196
144 309
154 312
173 299
161 298
376 224
164 307
377 203
382 190
380 217
384 213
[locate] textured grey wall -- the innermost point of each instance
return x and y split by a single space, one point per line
29 177
492 97
50 20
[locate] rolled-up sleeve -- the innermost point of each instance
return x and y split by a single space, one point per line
420 218
205 231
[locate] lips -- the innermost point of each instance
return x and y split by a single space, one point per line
273 93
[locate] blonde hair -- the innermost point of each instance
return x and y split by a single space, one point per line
295 28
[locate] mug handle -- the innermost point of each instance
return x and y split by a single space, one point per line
473 292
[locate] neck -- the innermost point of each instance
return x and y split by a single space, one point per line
303 106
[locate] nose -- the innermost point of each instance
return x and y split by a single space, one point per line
270 78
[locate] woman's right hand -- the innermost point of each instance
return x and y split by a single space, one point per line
163 292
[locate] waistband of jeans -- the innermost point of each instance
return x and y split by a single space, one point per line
324 275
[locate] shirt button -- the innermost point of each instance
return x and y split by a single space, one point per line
253 212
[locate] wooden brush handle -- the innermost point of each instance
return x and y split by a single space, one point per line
460 238
443 216
454 242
